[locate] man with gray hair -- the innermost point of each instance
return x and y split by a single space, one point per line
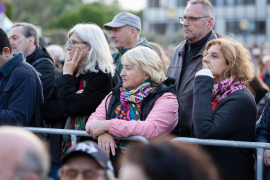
22 156
198 21
24 38
125 29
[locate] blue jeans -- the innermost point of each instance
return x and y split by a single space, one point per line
54 169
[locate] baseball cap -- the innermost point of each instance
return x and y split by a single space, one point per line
123 19
91 149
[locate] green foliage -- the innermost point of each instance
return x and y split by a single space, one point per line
9 9
84 14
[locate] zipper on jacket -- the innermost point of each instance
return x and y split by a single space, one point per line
189 46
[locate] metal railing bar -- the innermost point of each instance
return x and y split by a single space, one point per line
259 166
214 142
80 133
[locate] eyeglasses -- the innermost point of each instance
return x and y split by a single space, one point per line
71 174
191 20
73 43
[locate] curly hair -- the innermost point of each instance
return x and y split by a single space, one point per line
237 57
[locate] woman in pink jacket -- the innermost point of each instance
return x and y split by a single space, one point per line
143 104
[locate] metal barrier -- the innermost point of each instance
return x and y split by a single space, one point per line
75 133
238 144
210 142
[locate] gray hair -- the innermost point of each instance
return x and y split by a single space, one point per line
138 32
99 56
28 30
57 51
32 162
207 7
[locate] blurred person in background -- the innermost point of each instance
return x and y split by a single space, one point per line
224 108
125 29
24 38
263 135
165 60
198 20
23 155
58 55
260 92
266 72
86 80
86 161
167 160
144 104
21 94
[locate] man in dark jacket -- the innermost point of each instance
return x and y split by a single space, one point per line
24 38
19 84
125 29
198 20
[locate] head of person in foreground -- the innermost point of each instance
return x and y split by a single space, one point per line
86 161
167 160
23 155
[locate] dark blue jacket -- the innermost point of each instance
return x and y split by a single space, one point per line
18 92
263 131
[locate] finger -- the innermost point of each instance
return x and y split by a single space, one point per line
75 54
112 144
79 58
108 148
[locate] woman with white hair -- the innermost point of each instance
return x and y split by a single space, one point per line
143 104
86 80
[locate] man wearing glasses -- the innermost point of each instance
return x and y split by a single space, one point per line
198 20
86 161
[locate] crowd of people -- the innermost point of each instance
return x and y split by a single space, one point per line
209 88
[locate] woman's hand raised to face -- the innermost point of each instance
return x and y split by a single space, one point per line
72 64
107 142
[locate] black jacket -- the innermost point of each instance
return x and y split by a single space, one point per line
263 131
42 61
64 102
232 119
184 91
147 105
148 102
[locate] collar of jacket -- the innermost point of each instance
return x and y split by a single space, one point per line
212 36
7 68
169 83
142 42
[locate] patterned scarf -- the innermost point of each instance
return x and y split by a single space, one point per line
74 123
224 88
130 108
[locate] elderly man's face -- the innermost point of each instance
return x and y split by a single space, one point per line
195 31
121 37
82 168
19 43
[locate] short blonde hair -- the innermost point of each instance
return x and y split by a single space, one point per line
237 57
146 60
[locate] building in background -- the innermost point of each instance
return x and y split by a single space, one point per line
248 20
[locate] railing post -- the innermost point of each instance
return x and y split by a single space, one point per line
73 140
259 168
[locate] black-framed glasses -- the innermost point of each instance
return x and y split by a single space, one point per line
73 43
88 174
191 19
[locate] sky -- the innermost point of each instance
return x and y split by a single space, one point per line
133 5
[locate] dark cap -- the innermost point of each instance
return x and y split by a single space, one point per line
123 19
91 149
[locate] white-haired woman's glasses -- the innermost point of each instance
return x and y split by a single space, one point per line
73 43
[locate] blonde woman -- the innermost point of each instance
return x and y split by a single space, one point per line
224 108
144 104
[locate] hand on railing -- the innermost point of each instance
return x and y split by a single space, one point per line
107 142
